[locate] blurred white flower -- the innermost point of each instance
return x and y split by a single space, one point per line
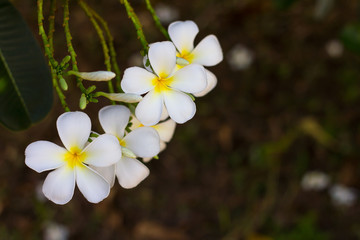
342 195
55 231
334 48
315 180
166 13
39 193
240 57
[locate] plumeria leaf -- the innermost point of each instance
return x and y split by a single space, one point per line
25 80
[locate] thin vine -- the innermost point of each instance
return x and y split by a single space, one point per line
135 20
100 33
114 63
70 46
157 20
49 53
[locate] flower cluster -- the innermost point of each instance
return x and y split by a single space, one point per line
174 73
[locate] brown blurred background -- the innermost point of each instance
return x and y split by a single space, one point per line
287 103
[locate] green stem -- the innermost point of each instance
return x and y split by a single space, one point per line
58 90
43 34
52 25
49 53
137 24
111 48
157 20
70 46
100 33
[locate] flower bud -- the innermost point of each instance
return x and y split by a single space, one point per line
82 102
127 152
123 97
182 61
90 89
94 76
63 83
65 60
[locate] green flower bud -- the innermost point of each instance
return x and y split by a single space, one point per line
82 102
65 60
182 61
90 89
127 152
63 83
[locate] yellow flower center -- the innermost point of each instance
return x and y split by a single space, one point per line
162 84
122 142
75 158
188 56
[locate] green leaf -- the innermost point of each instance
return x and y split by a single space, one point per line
25 81
350 36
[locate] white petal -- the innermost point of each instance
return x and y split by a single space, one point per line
183 35
43 155
146 61
149 109
190 79
162 56
94 187
164 113
113 119
104 151
143 141
130 172
180 106
74 129
59 185
137 80
211 83
166 130
162 145
208 52
108 173
147 159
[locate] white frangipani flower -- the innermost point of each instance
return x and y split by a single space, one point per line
71 163
165 86
142 142
165 130
207 53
